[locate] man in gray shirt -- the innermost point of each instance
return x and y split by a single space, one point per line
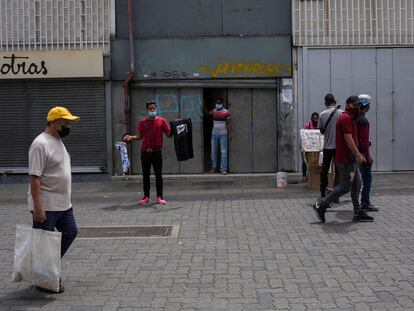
327 126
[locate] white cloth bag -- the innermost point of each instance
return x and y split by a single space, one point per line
37 257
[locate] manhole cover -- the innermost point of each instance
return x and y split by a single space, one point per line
111 232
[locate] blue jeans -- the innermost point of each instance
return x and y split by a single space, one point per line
366 177
64 222
349 179
216 141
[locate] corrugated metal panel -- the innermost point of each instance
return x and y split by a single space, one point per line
23 109
27 25
350 22
195 18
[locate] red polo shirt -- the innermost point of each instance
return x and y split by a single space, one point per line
152 129
345 125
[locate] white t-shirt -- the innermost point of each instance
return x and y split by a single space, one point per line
49 160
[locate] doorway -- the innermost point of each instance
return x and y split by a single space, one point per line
209 101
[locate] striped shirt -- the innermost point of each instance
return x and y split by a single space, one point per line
220 117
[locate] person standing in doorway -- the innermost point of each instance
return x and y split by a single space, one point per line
347 158
327 127
50 180
150 130
220 136
363 146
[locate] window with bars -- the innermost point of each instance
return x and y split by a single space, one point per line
54 25
353 22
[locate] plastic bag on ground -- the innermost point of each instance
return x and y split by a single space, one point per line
37 257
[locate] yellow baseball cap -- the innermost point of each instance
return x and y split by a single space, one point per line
60 113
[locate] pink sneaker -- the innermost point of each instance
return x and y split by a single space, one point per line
161 201
144 200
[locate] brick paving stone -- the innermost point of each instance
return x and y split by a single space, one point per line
246 246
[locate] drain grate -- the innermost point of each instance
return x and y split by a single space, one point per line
105 232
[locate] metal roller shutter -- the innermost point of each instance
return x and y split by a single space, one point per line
23 110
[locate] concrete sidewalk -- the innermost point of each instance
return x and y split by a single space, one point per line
243 245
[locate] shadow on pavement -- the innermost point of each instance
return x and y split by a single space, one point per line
26 299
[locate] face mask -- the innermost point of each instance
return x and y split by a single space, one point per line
64 131
353 111
219 106
152 114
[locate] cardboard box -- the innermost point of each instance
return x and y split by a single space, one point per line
314 178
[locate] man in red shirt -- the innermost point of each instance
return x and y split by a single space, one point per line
150 130
347 157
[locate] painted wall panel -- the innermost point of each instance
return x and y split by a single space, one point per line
404 112
191 106
194 18
365 82
256 17
240 149
264 130
204 58
384 108
341 75
317 84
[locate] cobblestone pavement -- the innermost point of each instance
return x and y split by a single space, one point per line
242 245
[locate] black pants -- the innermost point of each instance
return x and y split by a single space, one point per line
154 158
328 156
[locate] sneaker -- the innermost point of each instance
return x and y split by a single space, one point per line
223 172
361 216
144 200
368 207
161 201
319 211
212 171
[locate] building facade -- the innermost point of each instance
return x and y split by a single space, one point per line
350 47
53 53
189 52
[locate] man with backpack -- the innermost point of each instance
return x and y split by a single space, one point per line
327 127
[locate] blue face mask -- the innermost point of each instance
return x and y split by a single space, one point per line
219 106
152 114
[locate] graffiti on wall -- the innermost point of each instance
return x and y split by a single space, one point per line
245 69
191 105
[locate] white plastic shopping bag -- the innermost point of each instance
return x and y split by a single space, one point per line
37 257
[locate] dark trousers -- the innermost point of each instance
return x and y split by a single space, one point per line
155 159
366 177
64 222
349 179
328 156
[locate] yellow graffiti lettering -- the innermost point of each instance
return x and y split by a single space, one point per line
245 68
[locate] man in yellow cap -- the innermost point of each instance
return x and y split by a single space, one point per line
50 180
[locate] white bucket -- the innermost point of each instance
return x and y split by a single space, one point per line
281 179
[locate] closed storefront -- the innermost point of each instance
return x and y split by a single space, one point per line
387 74
24 105
253 147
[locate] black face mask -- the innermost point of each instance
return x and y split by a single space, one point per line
64 131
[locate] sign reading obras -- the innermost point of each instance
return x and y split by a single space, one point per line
51 64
